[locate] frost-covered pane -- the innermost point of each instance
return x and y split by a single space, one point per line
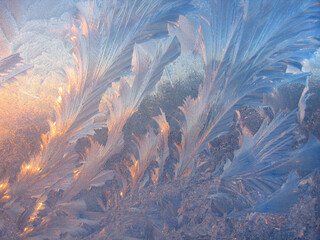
139 119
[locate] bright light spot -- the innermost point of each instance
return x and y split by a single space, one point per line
73 39
28 167
76 174
121 193
59 99
39 206
6 197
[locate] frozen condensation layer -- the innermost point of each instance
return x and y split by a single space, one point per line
128 151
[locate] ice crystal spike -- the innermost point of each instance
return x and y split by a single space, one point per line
104 34
185 119
122 100
12 66
151 148
305 160
265 159
243 59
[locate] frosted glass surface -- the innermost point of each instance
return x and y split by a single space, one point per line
140 119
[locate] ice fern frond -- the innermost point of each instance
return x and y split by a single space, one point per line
254 171
10 67
105 40
149 60
91 172
264 162
123 99
146 148
151 148
242 59
305 161
104 43
163 148
270 146
104 34
64 220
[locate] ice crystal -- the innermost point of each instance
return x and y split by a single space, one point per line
159 119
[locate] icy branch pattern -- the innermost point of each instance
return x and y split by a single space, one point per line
121 50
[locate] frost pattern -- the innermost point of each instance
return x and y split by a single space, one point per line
112 59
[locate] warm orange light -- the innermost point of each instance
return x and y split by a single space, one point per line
6 197
73 29
39 206
76 174
26 230
75 58
73 39
59 99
